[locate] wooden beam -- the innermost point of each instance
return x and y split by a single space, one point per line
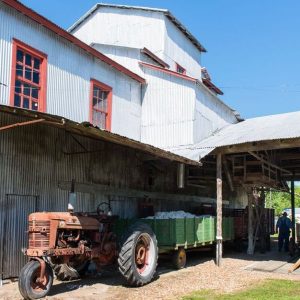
269 163
293 209
259 146
250 249
108 190
228 175
219 211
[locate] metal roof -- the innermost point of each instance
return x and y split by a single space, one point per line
166 12
28 12
86 129
267 128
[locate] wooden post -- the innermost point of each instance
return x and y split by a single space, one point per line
250 225
219 211
293 208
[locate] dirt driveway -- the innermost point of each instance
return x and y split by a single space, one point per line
201 273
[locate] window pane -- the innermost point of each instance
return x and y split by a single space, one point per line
28 74
94 102
19 71
34 106
18 86
26 89
36 63
95 118
28 59
17 101
96 92
102 120
35 92
36 77
20 55
26 103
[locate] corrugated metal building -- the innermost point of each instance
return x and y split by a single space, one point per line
71 65
179 105
40 159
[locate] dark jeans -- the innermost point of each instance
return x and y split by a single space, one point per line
283 238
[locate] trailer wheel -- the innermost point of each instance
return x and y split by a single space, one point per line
29 286
179 259
138 255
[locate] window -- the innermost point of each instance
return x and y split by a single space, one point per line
180 69
101 96
28 84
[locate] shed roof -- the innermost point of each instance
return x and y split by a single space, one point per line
70 38
267 128
166 12
86 129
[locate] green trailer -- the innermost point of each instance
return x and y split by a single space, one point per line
177 235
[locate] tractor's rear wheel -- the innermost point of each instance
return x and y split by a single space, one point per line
30 286
138 255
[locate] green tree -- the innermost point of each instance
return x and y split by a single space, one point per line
281 200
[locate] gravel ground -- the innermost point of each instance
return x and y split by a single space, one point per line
201 273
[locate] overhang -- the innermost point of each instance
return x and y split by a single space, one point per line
262 133
87 130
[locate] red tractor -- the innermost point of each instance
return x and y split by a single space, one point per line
64 243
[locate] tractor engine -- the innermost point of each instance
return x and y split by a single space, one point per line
70 240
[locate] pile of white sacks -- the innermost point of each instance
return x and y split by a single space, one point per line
179 214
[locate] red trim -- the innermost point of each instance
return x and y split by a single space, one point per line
155 58
105 88
211 86
66 35
173 73
43 73
178 66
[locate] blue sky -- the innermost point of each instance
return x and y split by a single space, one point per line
253 45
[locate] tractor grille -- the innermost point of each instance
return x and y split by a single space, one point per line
39 234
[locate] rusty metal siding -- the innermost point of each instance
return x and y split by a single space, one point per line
69 70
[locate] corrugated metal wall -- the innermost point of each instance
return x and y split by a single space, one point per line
168 110
69 72
35 159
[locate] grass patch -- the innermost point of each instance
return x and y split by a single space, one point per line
269 289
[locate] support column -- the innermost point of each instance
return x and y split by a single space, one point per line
293 208
250 249
219 211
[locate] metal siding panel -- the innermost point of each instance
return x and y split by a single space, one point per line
168 110
17 209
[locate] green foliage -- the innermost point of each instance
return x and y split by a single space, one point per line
279 200
270 289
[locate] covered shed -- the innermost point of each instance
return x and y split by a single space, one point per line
42 154
256 154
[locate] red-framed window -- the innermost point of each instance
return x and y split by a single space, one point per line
180 69
100 105
29 76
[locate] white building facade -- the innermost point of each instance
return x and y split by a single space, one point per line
45 68
179 106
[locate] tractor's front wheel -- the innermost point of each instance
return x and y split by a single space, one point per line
31 286
138 255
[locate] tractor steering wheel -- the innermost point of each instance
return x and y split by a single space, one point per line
100 210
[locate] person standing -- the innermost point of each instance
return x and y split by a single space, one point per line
284 224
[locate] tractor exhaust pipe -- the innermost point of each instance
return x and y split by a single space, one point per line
72 197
